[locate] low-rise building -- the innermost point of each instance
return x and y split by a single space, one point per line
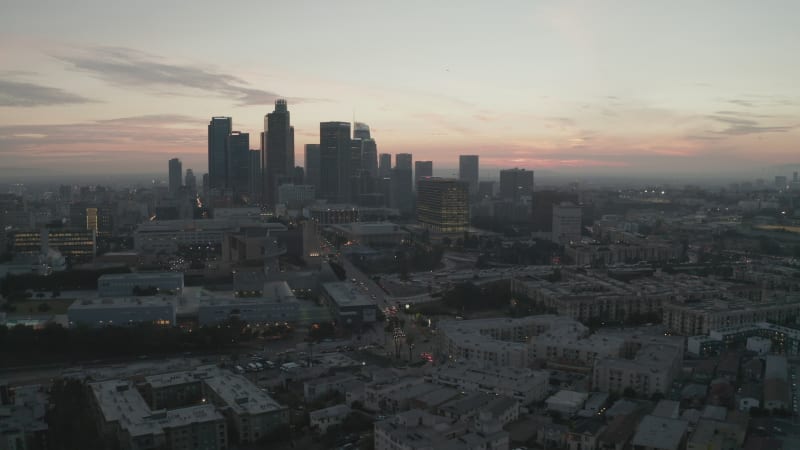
660 433
321 419
348 305
524 385
277 303
419 430
122 311
566 402
23 421
126 284
701 318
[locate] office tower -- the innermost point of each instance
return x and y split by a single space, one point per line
468 171
369 157
191 181
335 158
218 131
443 204
516 184
402 183
422 169
239 163
385 165
566 223
175 175
254 179
312 164
278 158
206 183
355 156
485 189
361 131
298 175
542 210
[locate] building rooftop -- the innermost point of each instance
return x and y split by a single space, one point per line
346 294
122 302
660 433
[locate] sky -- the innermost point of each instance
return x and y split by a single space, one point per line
629 87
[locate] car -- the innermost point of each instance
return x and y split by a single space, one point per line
238 369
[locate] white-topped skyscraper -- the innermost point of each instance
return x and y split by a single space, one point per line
468 171
277 158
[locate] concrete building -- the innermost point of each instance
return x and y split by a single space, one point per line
371 233
422 169
566 223
296 196
348 305
524 385
320 387
276 303
660 433
23 417
419 430
122 311
650 371
777 394
78 245
123 414
468 171
125 284
167 236
516 185
697 318
443 205
566 402
321 419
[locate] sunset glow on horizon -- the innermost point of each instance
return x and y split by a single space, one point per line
607 86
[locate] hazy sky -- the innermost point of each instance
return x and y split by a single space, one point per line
602 86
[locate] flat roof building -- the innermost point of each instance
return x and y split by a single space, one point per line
349 306
122 311
124 284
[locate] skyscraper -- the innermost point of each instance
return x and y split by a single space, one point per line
360 131
422 169
385 165
239 163
254 179
443 204
278 156
402 183
468 171
218 131
335 159
191 181
175 175
516 184
369 157
312 164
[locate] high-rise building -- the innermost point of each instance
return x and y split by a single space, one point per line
360 131
566 223
485 189
385 165
218 131
312 164
422 169
191 181
468 171
369 157
175 175
402 183
443 204
254 180
335 158
278 157
239 163
516 184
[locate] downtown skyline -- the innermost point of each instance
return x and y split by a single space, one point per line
618 87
